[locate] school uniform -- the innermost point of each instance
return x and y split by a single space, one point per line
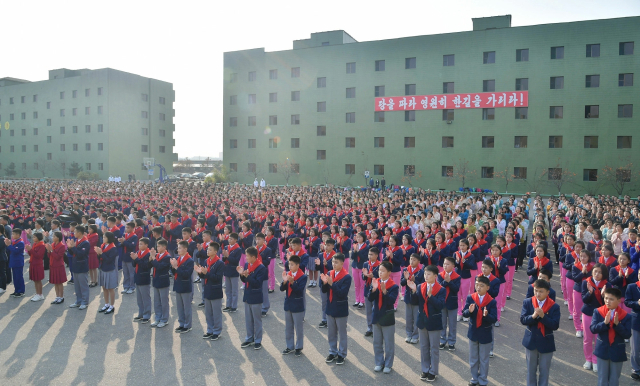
530 293
15 253
368 305
231 274
265 256
429 324
358 259
294 309
108 262
325 269
578 277
172 235
610 347
450 308
338 311
396 260
411 303
631 297
212 293
480 335
183 287
538 338
160 282
142 279
80 257
533 271
590 302
129 245
383 322
245 242
272 244
253 299
501 271
464 265
432 258
200 258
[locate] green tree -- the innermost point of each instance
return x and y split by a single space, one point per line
11 170
88 176
74 169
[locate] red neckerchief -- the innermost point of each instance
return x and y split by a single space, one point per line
245 234
181 260
252 267
496 263
83 239
388 285
463 257
443 245
268 239
453 275
105 248
476 298
491 277
312 240
127 236
114 229
140 254
220 226
210 263
610 260
545 308
597 289
406 247
336 278
371 267
578 264
622 274
264 246
412 271
596 243
434 291
621 314
298 275
544 261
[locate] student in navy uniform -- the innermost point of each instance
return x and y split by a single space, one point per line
253 274
161 266
324 264
464 265
394 255
117 234
482 312
211 273
312 245
541 315
450 280
231 257
129 244
592 298
108 272
182 268
546 276
622 275
431 300
293 285
141 261
383 296
173 231
79 252
200 259
264 254
336 284
415 274
272 244
539 262
613 325
632 301
359 256
15 253
370 273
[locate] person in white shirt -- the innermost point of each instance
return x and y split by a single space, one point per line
262 183
110 178
255 183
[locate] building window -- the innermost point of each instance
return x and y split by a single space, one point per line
350 169
252 99
520 141
378 170
625 111
62 112
144 148
624 142
322 107
592 81
321 131
11 117
273 143
48 139
273 74
351 68
35 148
350 142
555 142
589 174
251 121
590 141
75 129
557 52
447 115
295 168
323 44
251 167
49 156
409 170
489 85
233 121
87 92
161 100
378 116
252 76
626 48
322 82
321 154
409 89
487 172
233 78
409 63
273 120
145 97
145 131
62 130
351 92
273 97
48 122
100 146
295 143
522 84
295 119
522 112
233 167
87 128
625 80
100 164
101 128
24 132
489 57
61 96
555 112
35 115
251 144
592 111
488 114
351 118
233 144
35 131
448 60
488 142
75 147
409 142
273 168
557 82
23 115
74 111
593 50
522 55
87 146
447 171
379 91
100 93
22 99
520 173
48 105
100 110
295 96
161 149
233 100
35 166
35 97
144 114
295 72
378 141
11 149
410 116
448 88
447 142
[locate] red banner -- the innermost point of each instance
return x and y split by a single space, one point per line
454 101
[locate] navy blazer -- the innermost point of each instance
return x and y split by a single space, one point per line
295 301
615 352
213 281
383 314
494 287
469 265
396 260
360 257
253 289
304 261
578 277
552 293
589 300
533 338
631 298
533 272
231 262
161 271
273 245
80 257
201 255
266 257
367 288
246 242
482 334
129 245
172 236
425 260
503 268
143 270
435 304
450 301
321 267
314 248
339 306
417 278
108 260
620 282
183 283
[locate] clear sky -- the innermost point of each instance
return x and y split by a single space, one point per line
183 42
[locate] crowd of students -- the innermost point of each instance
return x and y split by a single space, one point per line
449 257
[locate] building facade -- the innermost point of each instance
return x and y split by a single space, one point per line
105 120
308 115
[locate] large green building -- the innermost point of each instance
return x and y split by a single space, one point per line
311 110
105 120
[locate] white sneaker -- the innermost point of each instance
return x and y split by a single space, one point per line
2 291
459 318
124 291
595 368
377 369
35 298
570 317
587 365
465 319
566 303
579 335
626 341
407 340
129 292
501 309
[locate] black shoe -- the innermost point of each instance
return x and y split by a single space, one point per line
264 313
178 329
214 337
431 377
246 344
442 346
233 310
19 295
330 358
635 377
13 295
207 336
137 318
257 346
185 330
360 306
226 309
340 360
508 297
287 351
356 304
473 384
424 376
271 291
368 333
70 282
144 321
298 352
109 310
322 324
452 347
201 305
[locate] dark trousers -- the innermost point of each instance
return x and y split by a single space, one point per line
555 246
3 274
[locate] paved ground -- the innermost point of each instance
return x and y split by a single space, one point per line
41 343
